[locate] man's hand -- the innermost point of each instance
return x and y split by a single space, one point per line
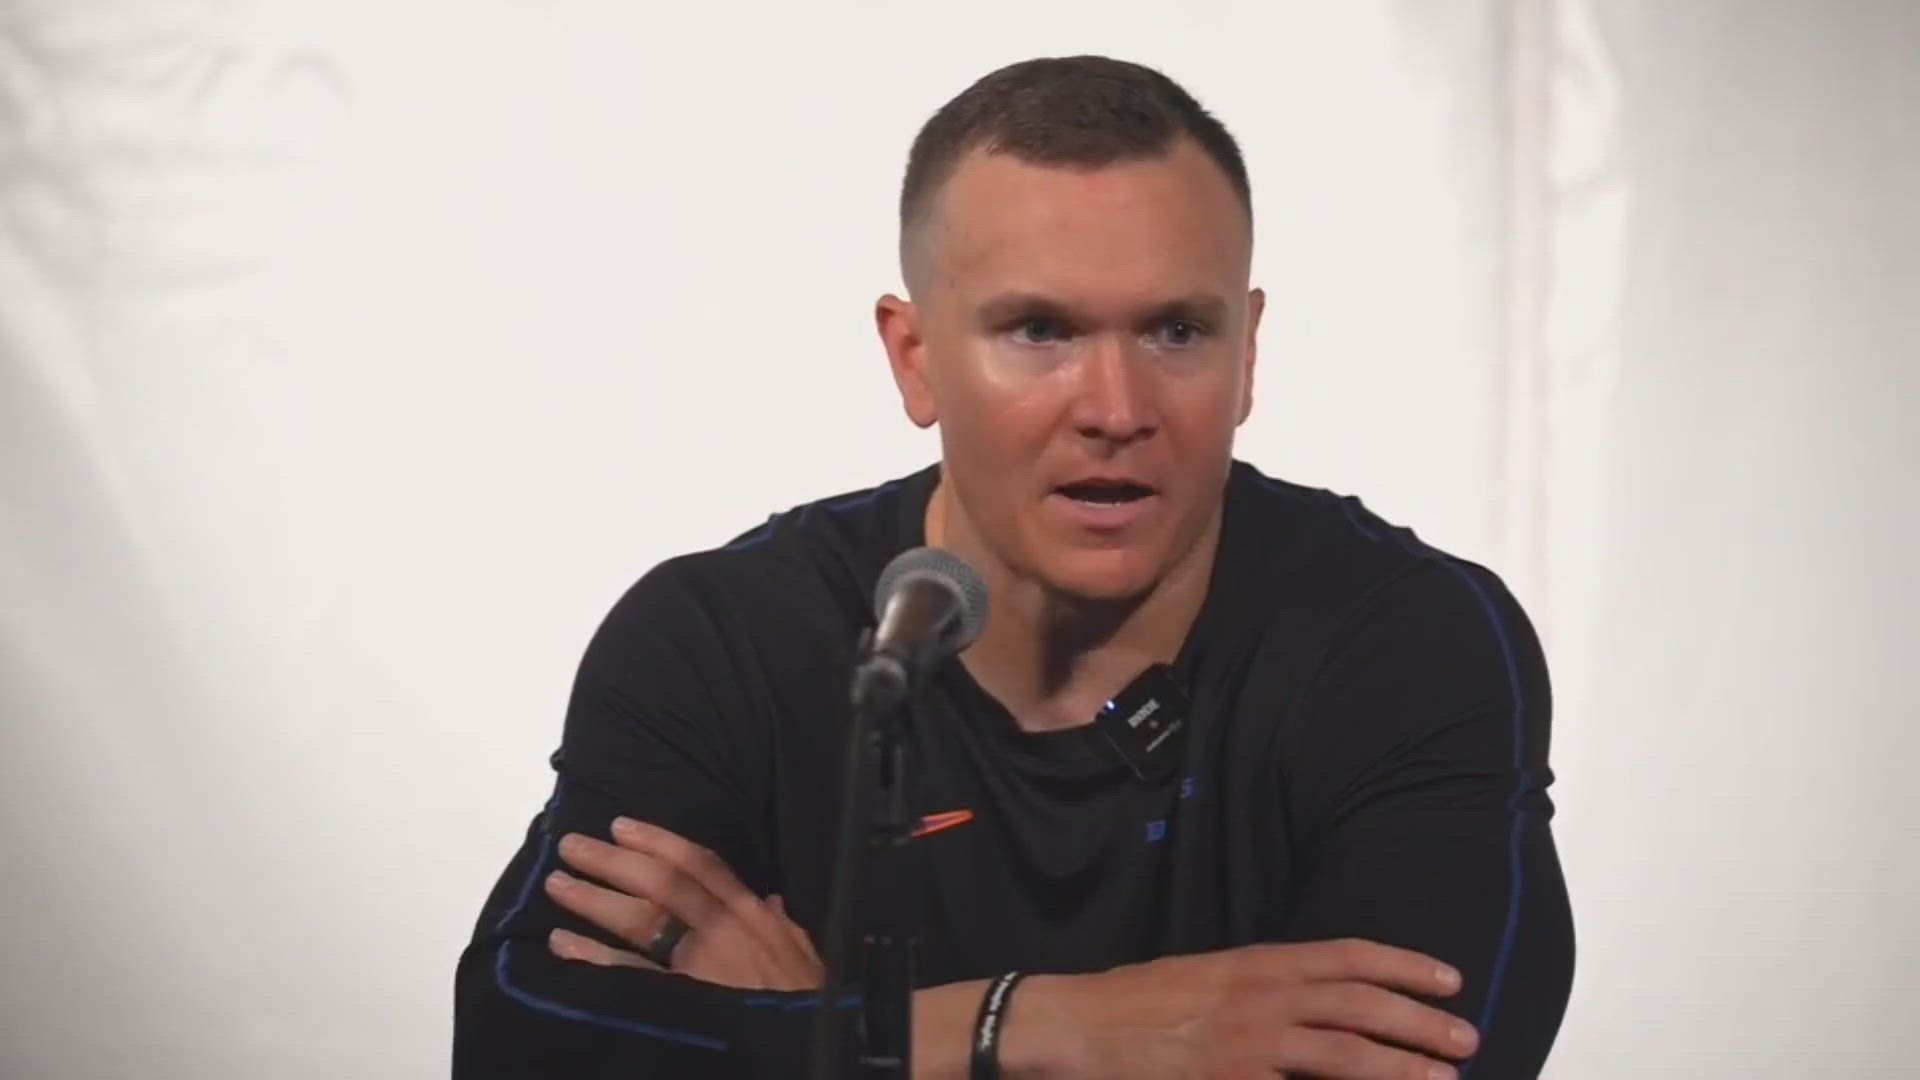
734 938
1340 1010
1333 1009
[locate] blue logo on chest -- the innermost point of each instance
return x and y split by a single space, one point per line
1157 830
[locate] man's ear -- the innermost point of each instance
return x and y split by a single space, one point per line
899 324
1256 303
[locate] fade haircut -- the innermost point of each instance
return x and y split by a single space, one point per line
1082 112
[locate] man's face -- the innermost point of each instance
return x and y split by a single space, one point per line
1085 341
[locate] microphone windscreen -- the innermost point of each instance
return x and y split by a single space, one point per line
949 570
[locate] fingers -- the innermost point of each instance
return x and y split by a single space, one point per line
630 918
648 872
708 869
570 946
697 862
1375 1011
1355 959
1351 999
772 930
643 877
640 876
1346 1056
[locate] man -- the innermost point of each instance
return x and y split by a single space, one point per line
1345 869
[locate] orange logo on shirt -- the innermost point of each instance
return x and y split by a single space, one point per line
933 823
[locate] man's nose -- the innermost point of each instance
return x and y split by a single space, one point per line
1112 402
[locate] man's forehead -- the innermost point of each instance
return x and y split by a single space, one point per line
987 183
1171 222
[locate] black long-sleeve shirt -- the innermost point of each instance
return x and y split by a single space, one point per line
1366 757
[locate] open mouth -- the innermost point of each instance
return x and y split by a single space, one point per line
1105 492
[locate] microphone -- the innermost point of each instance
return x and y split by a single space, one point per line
929 605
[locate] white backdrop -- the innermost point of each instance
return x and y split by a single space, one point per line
354 357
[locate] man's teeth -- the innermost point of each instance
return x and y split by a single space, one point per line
1104 494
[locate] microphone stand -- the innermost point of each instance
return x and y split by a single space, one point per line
873 802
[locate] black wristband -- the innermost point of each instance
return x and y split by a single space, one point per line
986 1028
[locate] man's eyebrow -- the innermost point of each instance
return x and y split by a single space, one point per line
1200 307
1004 307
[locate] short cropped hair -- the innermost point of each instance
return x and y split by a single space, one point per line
1073 111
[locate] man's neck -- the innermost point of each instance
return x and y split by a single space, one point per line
1052 661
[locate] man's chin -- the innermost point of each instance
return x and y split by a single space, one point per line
1102 577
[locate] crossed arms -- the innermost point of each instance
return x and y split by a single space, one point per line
1429 840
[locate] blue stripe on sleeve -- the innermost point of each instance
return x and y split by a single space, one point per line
555 1008
1515 869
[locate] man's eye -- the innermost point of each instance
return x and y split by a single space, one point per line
1180 333
1039 331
